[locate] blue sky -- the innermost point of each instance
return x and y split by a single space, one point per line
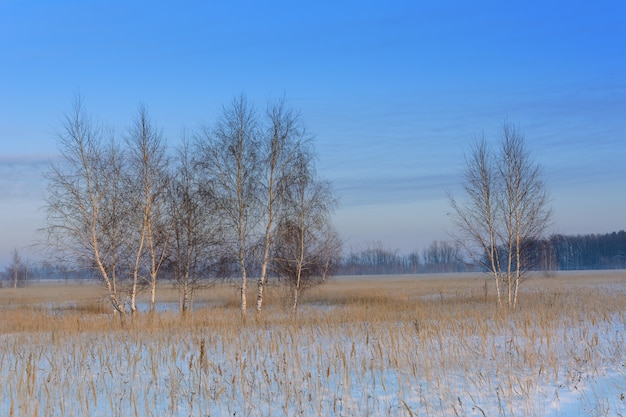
393 91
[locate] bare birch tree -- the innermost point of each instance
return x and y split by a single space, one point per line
229 159
282 140
475 217
18 271
306 246
505 209
195 233
524 204
82 202
147 179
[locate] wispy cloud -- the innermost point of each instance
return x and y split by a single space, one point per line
21 177
393 190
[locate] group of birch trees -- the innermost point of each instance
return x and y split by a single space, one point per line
504 211
239 198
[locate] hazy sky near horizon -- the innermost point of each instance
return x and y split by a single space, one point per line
393 91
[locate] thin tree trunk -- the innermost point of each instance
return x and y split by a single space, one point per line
244 282
153 284
518 275
268 232
266 254
295 297
111 288
261 282
184 295
300 260
155 264
243 295
498 295
494 257
259 297
133 291
181 300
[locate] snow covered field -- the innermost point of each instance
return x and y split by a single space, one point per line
401 346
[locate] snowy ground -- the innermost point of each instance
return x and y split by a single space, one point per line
574 365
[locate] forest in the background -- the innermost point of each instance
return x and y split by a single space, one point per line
557 253
594 251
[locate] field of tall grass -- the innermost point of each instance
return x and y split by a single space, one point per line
376 346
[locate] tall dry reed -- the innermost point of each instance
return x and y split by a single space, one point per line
392 346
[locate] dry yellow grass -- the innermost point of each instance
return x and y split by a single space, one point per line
435 345
352 299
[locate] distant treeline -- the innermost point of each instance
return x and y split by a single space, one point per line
558 252
377 259
594 251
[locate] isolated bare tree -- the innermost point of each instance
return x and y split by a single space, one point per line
147 183
505 209
282 140
524 204
306 245
18 270
229 159
83 206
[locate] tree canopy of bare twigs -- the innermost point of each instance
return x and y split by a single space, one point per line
504 211
85 208
229 160
284 142
195 230
306 247
147 181
250 163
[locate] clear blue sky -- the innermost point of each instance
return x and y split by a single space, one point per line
393 91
